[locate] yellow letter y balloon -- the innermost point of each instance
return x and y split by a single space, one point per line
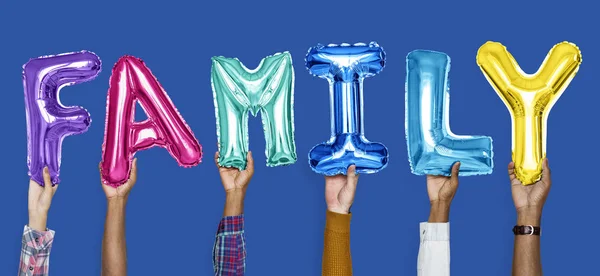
529 98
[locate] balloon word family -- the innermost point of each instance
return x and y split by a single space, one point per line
269 89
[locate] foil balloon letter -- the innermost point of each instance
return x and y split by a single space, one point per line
432 147
131 81
48 121
345 67
529 98
268 89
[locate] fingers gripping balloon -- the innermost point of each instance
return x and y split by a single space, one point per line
529 98
132 81
432 147
48 121
268 89
345 66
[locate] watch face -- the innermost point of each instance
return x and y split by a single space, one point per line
525 230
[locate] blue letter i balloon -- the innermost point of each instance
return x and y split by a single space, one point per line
345 66
432 147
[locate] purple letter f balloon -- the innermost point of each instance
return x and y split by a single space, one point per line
48 121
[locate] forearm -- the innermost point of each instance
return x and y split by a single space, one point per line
114 249
526 255
234 203
38 219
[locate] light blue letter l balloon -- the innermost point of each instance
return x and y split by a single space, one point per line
432 147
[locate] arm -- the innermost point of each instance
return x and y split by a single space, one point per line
114 249
434 249
229 250
339 195
37 239
529 201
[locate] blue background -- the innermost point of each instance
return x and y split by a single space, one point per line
173 212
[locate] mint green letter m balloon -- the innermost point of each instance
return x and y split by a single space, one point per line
269 89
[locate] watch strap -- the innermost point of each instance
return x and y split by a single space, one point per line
527 230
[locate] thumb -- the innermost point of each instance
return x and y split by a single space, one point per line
352 178
250 163
47 179
546 170
48 189
454 174
133 173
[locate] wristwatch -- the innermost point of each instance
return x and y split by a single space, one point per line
526 230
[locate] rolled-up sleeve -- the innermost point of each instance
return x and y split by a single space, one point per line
35 252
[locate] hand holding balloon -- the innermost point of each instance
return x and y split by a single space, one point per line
529 200
121 192
340 191
441 190
39 201
235 182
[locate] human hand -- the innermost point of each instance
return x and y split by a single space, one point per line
340 190
121 192
39 200
235 183
529 200
233 179
441 190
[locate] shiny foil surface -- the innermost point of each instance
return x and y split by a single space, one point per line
345 67
432 147
529 98
132 82
48 121
238 92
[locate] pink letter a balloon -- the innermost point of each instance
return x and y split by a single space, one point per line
132 81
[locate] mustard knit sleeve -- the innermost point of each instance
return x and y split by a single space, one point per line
337 260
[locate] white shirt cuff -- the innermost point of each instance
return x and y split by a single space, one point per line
434 231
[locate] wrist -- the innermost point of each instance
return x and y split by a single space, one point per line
440 211
234 203
117 202
38 221
339 210
529 216
235 195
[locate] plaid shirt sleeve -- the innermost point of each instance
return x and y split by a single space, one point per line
229 252
35 252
